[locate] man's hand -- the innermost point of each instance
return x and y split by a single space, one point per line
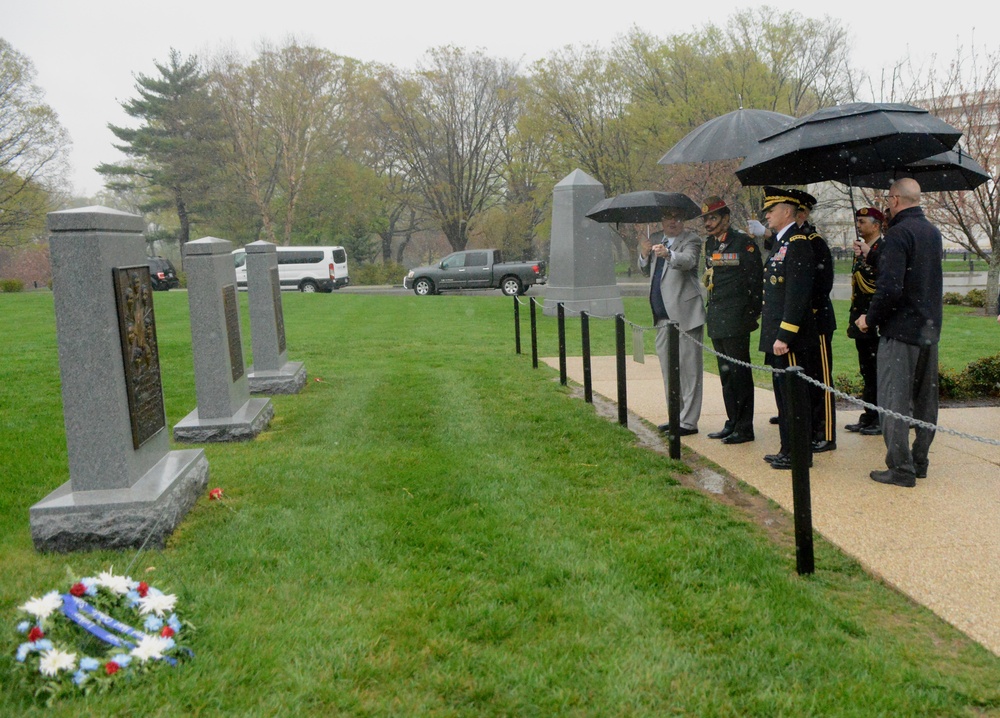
862 323
779 348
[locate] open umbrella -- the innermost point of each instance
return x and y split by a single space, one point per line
838 143
642 206
727 137
947 172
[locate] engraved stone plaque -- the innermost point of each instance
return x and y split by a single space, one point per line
279 315
229 304
140 353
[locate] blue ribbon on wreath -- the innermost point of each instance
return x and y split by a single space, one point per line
74 609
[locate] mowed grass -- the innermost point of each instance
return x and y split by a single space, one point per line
433 528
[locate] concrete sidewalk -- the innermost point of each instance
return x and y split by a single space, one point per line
938 543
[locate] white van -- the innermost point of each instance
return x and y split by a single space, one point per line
308 269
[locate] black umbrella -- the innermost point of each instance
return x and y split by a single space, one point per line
728 137
643 206
947 172
838 143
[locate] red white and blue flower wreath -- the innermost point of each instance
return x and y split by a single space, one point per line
101 631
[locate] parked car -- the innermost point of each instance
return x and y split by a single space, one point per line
475 269
162 274
308 269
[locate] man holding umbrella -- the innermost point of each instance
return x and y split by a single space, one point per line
733 278
675 294
787 326
906 308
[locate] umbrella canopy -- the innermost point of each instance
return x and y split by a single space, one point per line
837 143
728 137
643 206
947 172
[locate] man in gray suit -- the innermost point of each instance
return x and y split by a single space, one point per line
676 294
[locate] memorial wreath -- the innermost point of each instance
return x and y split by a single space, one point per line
99 632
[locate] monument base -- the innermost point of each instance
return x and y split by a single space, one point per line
251 419
599 301
289 379
145 514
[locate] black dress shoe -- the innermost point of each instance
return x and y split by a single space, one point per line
887 477
736 438
721 434
873 430
784 463
855 427
771 458
663 427
921 470
773 420
819 447
683 431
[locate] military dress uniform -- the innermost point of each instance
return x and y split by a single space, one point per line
864 274
733 277
818 361
786 313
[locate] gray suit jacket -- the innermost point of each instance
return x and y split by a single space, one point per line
682 292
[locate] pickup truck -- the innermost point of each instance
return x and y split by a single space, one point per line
475 269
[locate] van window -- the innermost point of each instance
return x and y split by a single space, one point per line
475 259
339 255
240 258
300 257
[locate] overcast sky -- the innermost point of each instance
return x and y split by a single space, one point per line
86 53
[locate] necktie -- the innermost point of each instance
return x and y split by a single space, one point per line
655 295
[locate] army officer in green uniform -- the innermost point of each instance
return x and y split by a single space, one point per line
733 278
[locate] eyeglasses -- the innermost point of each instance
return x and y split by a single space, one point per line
891 196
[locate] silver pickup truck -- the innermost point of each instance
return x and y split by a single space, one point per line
475 269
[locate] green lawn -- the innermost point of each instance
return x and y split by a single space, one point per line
433 528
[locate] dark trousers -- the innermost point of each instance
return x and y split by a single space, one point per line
868 364
737 382
779 382
817 361
908 385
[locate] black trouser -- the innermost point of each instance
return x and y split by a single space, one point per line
737 382
817 361
868 364
779 383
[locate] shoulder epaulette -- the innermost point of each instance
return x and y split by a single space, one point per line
797 236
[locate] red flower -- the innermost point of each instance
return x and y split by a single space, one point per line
111 668
215 494
78 589
35 634
167 632
143 589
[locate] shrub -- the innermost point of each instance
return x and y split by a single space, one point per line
376 273
976 298
11 285
953 385
983 376
847 384
953 298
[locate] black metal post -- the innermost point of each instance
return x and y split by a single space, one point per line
674 388
622 383
561 314
588 385
534 336
517 326
800 435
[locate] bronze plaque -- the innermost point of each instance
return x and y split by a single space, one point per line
140 353
279 316
231 307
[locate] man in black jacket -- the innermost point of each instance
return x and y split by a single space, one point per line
906 309
733 278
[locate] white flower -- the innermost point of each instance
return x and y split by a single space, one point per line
115 584
158 603
42 607
151 647
55 660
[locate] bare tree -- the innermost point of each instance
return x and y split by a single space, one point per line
443 126
33 149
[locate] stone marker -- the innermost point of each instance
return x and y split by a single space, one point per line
125 488
271 372
581 265
225 410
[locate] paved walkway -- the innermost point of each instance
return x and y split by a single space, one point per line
938 543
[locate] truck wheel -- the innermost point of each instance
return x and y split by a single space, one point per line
423 287
308 286
511 286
